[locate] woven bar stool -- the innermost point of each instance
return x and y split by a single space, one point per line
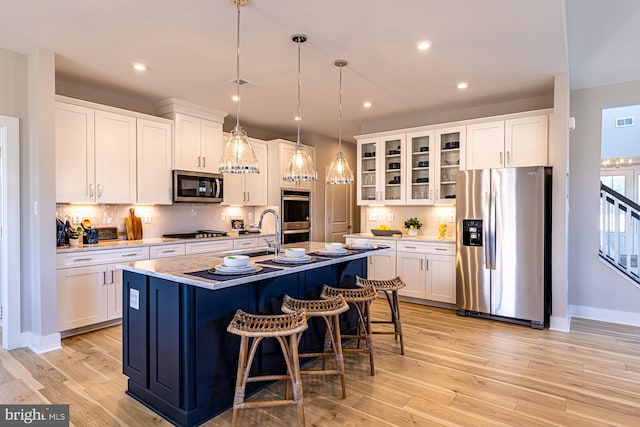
328 309
360 298
390 290
254 328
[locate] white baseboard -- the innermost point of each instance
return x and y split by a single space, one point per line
41 344
604 315
560 324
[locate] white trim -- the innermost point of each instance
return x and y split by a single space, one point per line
560 324
10 223
41 344
604 315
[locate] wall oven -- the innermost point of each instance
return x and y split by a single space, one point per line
197 187
296 216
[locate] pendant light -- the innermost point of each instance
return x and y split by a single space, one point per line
238 156
300 167
339 171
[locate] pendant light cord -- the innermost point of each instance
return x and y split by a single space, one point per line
299 116
340 115
238 68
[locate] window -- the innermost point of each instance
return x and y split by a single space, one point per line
624 121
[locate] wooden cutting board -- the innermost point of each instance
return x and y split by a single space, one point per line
133 225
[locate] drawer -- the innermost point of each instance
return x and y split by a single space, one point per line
245 243
427 248
208 246
104 256
164 251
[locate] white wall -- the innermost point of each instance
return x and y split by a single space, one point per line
594 290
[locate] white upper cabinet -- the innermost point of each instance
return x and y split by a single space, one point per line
198 144
95 155
248 189
115 157
507 143
420 170
154 145
449 159
75 151
380 165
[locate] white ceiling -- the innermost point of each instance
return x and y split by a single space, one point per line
505 49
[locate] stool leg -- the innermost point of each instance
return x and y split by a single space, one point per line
297 385
238 398
338 350
397 321
367 313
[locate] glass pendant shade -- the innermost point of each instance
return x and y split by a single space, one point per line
300 167
339 171
238 156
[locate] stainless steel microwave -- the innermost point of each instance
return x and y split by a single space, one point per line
197 187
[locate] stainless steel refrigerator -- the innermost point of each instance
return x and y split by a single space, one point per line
503 263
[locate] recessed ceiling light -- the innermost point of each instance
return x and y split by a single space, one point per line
139 67
424 45
463 85
297 118
367 104
235 98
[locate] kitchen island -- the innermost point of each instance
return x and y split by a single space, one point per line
179 358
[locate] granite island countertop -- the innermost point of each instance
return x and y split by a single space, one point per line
176 268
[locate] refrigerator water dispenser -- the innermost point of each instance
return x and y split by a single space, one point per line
472 232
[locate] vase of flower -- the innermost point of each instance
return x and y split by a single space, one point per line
412 225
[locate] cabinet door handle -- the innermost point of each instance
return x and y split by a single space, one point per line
99 190
422 264
90 190
427 265
248 196
128 255
113 276
198 161
81 259
501 157
204 162
104 278
509 157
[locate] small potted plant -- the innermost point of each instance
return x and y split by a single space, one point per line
74 236
412 225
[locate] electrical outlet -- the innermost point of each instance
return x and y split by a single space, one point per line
146 218
250 216
373 217
452 217
222 217
390 217
76 218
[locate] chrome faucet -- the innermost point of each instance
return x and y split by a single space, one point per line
277 239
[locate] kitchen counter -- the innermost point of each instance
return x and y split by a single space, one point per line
177 268
178 357
154 241
420 238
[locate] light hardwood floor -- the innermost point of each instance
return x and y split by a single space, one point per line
456 371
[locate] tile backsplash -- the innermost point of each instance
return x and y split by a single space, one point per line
178 218
394 217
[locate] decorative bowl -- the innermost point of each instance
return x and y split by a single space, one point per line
236 260
377 232
294 252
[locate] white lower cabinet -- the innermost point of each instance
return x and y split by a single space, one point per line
428 270
90 285
165 251
208 246
383 266
250 242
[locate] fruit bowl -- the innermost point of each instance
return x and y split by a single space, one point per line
378 232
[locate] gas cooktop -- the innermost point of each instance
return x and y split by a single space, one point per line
196 235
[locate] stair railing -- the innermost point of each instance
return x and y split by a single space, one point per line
619 232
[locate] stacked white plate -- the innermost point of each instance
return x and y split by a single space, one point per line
326 251
293 260
225 269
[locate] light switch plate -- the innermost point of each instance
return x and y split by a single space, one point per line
76 218
146 218
222 217
250 216
390 217
373 217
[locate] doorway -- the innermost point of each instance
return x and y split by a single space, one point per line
10 232
339 212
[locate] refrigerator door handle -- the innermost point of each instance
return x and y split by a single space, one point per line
492 224
487 232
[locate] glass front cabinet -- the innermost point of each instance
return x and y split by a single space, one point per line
381 162
417 168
